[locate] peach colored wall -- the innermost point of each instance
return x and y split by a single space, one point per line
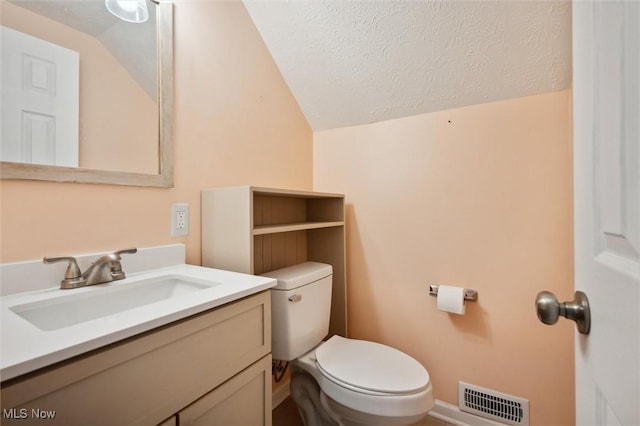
478 197
109 129
236 123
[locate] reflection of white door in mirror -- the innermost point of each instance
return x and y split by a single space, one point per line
40 101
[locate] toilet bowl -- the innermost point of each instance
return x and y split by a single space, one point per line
340 381
367 383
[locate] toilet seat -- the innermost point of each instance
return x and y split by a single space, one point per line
412 404
370 368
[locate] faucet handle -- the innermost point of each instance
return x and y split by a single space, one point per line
72 276
73 271
130 251
116 269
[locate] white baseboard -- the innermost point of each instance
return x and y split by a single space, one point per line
280 395
452 415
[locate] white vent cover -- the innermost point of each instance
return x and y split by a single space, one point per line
493 405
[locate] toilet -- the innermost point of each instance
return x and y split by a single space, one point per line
339 381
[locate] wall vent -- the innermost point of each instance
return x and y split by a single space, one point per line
493 405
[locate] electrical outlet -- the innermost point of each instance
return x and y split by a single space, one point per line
179 219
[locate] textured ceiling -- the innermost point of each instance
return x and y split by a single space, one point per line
358 62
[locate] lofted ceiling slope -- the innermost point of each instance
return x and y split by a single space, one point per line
358 62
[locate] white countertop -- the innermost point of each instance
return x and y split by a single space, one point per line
25 348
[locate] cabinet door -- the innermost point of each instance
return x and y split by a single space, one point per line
244 400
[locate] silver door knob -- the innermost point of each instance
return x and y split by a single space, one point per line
549 310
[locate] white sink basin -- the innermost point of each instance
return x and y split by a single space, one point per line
72 308
42 327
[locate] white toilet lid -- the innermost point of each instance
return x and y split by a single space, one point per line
371 366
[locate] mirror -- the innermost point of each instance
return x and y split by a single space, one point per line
106 156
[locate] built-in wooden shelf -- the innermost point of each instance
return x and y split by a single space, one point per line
290 227
255 230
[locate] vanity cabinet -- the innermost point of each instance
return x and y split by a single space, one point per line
211 368
254 230
229 404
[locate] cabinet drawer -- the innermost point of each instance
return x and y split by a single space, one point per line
146 379
242 401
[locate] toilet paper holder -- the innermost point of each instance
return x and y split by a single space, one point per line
470 295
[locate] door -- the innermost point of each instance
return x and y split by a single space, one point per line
40 101
606 73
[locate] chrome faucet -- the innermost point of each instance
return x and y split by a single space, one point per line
105 269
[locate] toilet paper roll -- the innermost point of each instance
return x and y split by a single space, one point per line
451 299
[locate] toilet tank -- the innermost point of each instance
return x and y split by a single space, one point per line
300 308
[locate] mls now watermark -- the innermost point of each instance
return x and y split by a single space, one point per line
25 413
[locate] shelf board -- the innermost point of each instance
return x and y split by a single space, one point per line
293 193
289 227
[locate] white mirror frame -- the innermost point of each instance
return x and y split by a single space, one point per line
164 178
